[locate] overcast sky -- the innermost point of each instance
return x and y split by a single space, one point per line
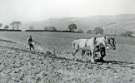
36 10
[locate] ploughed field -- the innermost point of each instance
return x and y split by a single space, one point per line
61 43
18 65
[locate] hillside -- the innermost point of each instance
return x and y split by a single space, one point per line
113 24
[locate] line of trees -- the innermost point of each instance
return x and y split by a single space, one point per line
70 28
51 28
96 30
15 25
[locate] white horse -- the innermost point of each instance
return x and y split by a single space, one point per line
85 44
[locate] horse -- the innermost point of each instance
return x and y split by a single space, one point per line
111 43
94 45
85 44
104 43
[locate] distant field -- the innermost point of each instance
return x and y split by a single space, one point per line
62 43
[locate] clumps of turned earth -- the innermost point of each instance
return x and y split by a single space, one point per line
18 65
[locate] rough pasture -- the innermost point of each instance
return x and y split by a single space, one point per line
17 65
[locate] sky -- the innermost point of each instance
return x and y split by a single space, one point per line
36 10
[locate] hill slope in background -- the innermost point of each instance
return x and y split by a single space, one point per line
111 24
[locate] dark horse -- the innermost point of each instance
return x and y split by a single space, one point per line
111 43
102 43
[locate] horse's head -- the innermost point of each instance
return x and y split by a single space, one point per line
111 43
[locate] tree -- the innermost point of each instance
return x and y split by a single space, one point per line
98 30
51 28
31 27
6 27
46 28
15 25
72 27
90 31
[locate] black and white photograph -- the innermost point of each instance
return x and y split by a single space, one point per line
67 41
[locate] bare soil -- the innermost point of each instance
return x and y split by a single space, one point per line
18 65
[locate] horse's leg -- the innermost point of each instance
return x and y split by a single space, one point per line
30 47
33 47
76 48
74 53
103 54
83 52
92 56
